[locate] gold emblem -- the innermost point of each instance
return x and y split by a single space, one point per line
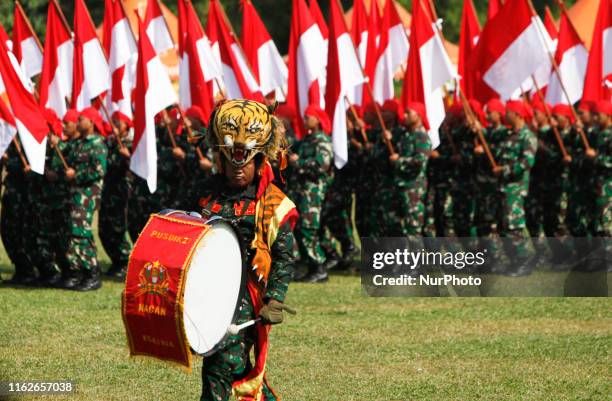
153 279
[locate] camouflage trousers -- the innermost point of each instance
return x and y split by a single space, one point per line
511 223
543 207
363 211
52 241
604 210
399 213
336 217
231 361
463 209
581 209
81 255
438 212
113 227
15 227
308 231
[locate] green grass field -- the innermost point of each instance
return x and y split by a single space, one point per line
342 345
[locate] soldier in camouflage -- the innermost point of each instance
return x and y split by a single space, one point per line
603 180
368 166
312 174
115 194
88 156
16 212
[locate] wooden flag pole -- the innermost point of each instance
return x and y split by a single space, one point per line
20 153
469 114
190 132
549 117
364 136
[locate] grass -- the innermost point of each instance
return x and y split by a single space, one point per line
342 345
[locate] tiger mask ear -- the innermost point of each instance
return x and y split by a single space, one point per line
272 107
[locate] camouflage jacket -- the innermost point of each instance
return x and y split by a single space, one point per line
414 148
315 161
16 179
88 158
440 170
215 198
484 172
56 193
603 161
515 152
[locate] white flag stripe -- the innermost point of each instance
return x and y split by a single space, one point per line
273 72
7 133
60 87
157 31
32 57
34 151
572 70
310 63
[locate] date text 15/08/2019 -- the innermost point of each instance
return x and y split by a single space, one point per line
425 280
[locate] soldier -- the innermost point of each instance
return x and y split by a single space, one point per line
246 180
337 209
16 212
515 155
53 210
88 157
312 174
200 156
603 179
115 194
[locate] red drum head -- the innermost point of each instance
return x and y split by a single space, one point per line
213 287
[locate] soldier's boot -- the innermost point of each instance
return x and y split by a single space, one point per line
348 257
316 274
117 271
597 259
561 254
519 267
23 276
51 277
91 281
332 259
71 279
582 248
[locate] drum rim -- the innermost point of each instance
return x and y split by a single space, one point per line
243 280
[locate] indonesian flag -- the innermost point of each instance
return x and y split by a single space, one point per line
306 63
507 54
26 47
374 22
123 55
359 34
571 57
549 24
197 65
56 78
157 28
28 116
344 74
494 6
468 37
4 38
91 73
8 127
261 52
429 68
238 79
317 15
392 52
153 93
600 58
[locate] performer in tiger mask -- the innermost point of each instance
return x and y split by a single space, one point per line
246 137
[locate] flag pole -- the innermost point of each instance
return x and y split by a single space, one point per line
566 156
20 153
190 132
369 88
354 113
585 141
469 114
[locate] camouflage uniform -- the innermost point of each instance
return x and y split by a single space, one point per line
603 167
368 166
88 156
114 206
54 219
399 205
438 205
581 191
231 360
516 154
16 216
463 190
312 175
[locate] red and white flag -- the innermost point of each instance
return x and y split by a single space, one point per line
268 66
468 37
429 68
359 34
153 93
26 46
91 73
374 22
28 115
8 127
344 73
571 58
392 52
56 78
306 63
238 79
157 28
494 6
197 66
4 38
507 54
598 80
123 54
551 27
317 15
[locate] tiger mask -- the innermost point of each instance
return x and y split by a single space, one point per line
242 128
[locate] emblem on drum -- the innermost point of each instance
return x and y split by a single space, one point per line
153 279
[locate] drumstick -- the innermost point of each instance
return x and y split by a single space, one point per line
233 329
